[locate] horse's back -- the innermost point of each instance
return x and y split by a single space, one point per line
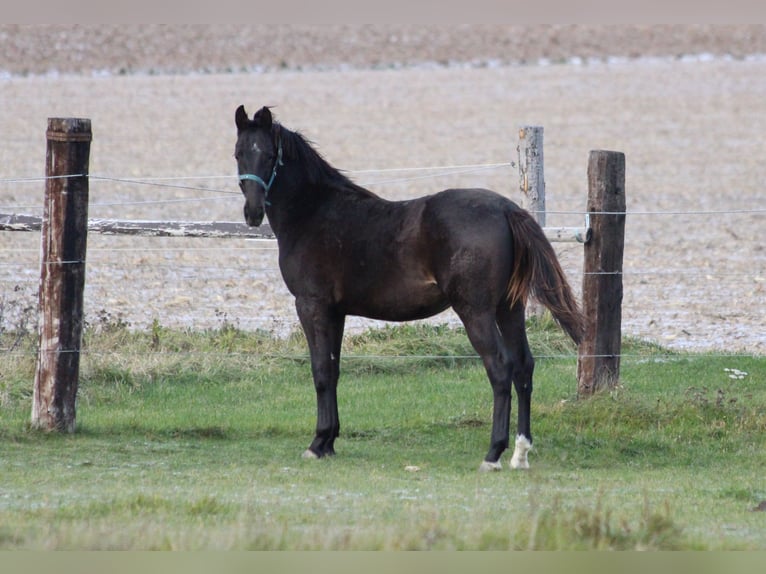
459 201
468 218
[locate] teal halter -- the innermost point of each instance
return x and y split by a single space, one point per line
258 179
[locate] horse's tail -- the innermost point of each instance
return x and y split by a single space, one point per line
536 271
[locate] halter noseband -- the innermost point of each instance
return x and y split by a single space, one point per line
259 179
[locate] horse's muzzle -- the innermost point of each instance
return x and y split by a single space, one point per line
253 216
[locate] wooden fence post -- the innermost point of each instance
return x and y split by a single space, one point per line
62 274
598 364
532 185
531 172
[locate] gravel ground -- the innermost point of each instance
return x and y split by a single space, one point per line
685 103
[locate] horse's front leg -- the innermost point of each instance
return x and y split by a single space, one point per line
324 333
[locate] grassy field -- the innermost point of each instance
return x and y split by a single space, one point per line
192 440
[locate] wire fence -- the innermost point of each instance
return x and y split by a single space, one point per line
106 262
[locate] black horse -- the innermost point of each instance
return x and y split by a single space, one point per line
345 251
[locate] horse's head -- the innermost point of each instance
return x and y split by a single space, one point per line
258 156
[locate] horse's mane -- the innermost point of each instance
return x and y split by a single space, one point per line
295 147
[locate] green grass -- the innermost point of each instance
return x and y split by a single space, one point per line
192 440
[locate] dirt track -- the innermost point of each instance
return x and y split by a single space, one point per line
691 128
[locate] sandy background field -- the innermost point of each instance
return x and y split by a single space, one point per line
686 104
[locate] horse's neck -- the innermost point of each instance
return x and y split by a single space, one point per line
292 205
290 212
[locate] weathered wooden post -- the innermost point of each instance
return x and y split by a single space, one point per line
531 172
532 184
598 365
62 275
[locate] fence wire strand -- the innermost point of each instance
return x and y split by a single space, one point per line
160 181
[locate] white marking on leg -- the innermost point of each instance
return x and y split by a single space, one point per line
519 458
487 466
309 454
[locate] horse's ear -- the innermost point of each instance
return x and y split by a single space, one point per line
240 118
263 118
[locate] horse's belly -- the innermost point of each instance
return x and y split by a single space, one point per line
403 302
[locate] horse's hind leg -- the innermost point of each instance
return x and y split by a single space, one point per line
485 338
324 333
512 327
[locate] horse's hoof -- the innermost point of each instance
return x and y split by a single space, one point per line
309 454
519 459
487 466
519 464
